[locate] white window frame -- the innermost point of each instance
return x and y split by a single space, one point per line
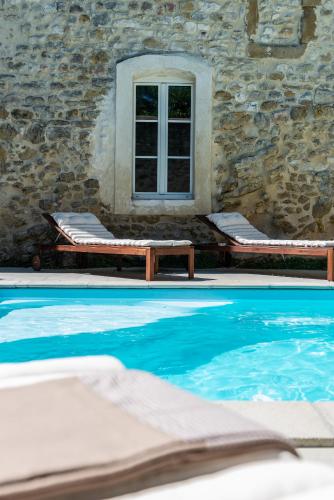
174 68
162 149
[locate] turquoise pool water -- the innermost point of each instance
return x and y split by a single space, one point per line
246 344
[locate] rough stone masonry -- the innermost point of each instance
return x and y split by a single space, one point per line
273 109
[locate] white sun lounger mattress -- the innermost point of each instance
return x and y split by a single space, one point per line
86 229
239 228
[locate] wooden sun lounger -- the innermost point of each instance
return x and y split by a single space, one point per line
233 246
151 254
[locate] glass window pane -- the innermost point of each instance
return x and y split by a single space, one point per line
147 102
178 176
146 139
179 102
179 139
146 176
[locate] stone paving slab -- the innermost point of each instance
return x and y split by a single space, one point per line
324 455
326 410
135 278
300 421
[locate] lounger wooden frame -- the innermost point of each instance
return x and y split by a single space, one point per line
151 254
233 246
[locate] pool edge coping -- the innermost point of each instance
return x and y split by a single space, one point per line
170 286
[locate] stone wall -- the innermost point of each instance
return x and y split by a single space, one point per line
273 103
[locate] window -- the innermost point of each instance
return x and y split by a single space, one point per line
163 140
163 136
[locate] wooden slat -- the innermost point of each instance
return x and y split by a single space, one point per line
117 250
181 250
307 251
191 263
100 249
150 262
330 265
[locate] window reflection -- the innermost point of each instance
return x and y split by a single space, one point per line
147 102
179 139
146 176
179 102
146 139
178 176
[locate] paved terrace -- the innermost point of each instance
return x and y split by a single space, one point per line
310 426
214 278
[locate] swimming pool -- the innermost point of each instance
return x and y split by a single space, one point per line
241 344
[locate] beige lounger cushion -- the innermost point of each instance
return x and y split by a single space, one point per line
106 434
86 229
237 227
